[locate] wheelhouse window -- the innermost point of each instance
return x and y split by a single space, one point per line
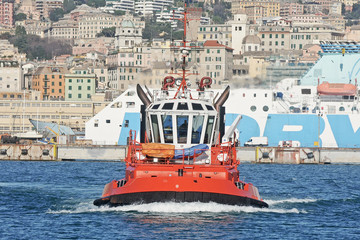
182 123
208 131
168 106
155 128
167 128
198 122
209 107
182 106
197 106
156 106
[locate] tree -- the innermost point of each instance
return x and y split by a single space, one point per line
119 13
5 35
20 17
68 5
96 3
20 30
107 32
56 14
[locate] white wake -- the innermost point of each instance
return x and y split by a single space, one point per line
186 208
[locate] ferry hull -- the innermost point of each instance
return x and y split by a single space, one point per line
172 196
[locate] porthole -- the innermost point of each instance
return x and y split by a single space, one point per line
266 108
253 108
341 109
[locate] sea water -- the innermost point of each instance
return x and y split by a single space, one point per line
53 200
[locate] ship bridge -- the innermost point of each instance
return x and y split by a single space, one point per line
181 122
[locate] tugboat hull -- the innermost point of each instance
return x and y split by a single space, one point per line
172 196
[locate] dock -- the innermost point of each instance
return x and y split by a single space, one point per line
259 155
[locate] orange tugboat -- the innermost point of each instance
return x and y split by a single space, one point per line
180 156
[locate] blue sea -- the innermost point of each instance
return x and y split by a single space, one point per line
53 200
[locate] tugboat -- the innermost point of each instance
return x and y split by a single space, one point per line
184 154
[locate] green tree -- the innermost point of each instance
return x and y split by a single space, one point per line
20 17
119 13
56 14
96 3
5 35
68 5
20 30
107 32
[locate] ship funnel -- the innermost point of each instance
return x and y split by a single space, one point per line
222 99
142 95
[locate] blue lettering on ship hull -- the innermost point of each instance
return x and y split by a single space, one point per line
131 122
343 131
248 127
296 127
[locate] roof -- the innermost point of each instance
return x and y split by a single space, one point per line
127 23
251 39
215 43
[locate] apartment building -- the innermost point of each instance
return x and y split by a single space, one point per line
313 8
267 8
91 24
10 53
100 44
119 5
65 29
216 62
302 35
50 81
306 18
335 20
11 76
79 85
120 77
7 13
44 7
35 27
146 8
291 8
28 7
218 32
274 37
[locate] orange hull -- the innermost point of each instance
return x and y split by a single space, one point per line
158 182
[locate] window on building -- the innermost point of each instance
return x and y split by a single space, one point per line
70 95
262 35
270 35
60 83
79 95
79 87
88 88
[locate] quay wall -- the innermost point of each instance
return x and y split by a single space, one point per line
48 152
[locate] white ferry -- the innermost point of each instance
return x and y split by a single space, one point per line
319 110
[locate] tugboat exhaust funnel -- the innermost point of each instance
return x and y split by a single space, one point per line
142 95
222 99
